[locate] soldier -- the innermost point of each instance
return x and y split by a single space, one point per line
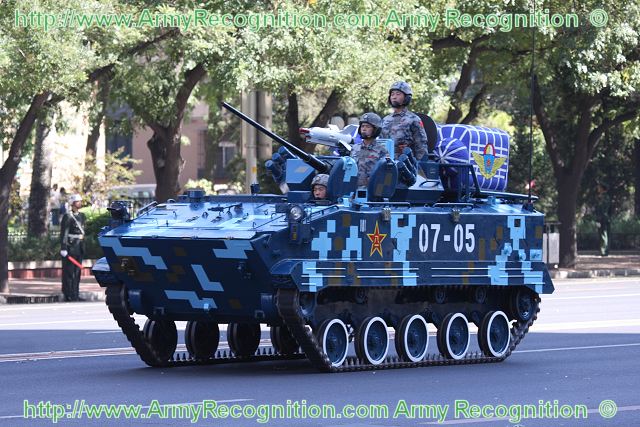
72 248
370 151
403 126
319 186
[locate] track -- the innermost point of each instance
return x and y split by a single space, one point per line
290 312
118 308
287 302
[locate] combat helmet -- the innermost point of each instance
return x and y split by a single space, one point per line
320 179
374 120
404 88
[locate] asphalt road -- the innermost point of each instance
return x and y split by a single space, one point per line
583 350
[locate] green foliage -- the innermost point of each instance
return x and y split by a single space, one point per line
48 248
624 234
35 249
608 181
203 184
117 171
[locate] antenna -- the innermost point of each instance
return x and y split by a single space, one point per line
532 77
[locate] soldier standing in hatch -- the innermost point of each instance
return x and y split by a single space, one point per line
403 126
370 151
72 245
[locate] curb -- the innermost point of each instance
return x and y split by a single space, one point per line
588 274
86 296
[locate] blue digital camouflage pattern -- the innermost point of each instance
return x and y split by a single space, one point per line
223 258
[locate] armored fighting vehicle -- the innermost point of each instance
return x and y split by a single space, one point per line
360 280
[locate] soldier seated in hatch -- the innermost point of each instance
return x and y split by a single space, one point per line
370 151
319 186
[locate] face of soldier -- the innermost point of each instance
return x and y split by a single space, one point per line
77 205
397 98
366 130
319 192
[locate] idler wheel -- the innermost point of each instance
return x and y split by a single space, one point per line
202 338
334 339
283 342
453 336
163 337
494 334
522 304
412 338
243 338
372 341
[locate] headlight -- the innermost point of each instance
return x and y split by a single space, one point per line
296 213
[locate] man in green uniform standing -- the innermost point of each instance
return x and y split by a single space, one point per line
403 126
72 248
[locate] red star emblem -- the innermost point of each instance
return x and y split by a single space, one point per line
376 240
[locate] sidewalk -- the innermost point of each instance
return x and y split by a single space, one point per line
48 289
40 290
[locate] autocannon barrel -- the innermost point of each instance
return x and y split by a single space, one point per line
313 161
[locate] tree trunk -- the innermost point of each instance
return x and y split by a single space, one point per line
167 164
637 183
293 121
567 203
212 139
5 191
7 174
95 122
41 178
329 110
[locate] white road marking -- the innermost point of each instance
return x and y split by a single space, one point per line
96 352
51 322
556 298
592 324
586 347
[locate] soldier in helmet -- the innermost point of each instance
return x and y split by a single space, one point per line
403 126
319 186
370 151
72 246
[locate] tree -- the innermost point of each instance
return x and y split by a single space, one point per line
345 64
34 71
41 175
159 86
587 84
34 64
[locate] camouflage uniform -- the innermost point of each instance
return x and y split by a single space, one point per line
405 128
366 156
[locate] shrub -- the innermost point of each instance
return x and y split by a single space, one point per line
48 247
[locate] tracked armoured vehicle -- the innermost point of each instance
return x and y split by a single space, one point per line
429 246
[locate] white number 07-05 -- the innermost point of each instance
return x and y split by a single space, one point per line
462 237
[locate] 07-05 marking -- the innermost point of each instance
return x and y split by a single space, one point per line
463 237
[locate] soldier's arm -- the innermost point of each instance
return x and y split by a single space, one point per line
419 138
64 232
